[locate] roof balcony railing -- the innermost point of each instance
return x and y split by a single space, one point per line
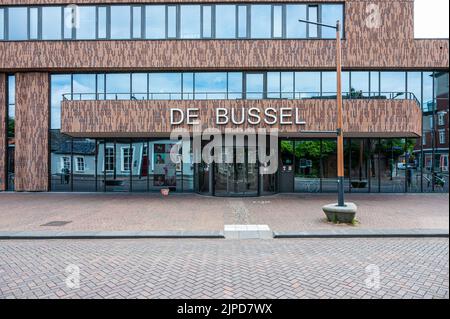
353 95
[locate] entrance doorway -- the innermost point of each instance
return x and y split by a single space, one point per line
239 177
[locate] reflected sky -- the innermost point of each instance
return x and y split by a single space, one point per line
170 21
225 21
223 85
260 17
17 24
2 23
190 22
155 20
121 16
51 23
86 28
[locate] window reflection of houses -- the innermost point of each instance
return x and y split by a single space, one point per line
116 165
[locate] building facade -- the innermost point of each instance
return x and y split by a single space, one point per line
88 89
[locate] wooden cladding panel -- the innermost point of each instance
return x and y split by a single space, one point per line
152 118
32 124
3 131
221 54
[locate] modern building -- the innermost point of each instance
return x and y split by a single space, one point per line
87 90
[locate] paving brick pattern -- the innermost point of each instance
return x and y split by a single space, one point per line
164 268
191 212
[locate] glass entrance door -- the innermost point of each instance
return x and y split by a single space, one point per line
239 177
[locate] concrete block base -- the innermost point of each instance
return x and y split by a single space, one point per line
341 214
247 232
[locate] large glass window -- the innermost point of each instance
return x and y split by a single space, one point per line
273 85
137 21
330 14
60 84
171 21
414 83
313 30
280 85
2 24
359 86
277 31
375 83
307 166
193 21
118 86
83 87
225 21
307 84
102 22
69 22
120 22
206 21
139 86
329 84
210 85
427 100
294 28
87 22
18 23
261 16
235 85
34 23
242 21
155 22
287 85
254 86
188 86
165 86
190 21
101 82
51 23
393 84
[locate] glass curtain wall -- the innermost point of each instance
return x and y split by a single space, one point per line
171 21
260 85
389 165
371 165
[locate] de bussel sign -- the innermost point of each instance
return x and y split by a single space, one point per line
262 143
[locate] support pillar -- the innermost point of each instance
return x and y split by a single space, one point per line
31 135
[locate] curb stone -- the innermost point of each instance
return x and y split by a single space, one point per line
364 233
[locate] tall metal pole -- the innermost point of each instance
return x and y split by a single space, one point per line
340 136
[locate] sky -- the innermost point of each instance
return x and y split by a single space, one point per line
431 18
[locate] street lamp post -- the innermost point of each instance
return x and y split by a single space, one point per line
339 124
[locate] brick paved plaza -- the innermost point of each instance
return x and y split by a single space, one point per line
136 212
189 268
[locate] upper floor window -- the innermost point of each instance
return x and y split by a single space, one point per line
2 24
17 23
171 21
441 118
442 137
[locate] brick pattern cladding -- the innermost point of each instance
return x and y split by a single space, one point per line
32 120
152 118
3 125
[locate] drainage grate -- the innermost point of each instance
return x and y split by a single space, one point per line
57 223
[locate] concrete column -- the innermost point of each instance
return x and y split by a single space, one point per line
31 135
